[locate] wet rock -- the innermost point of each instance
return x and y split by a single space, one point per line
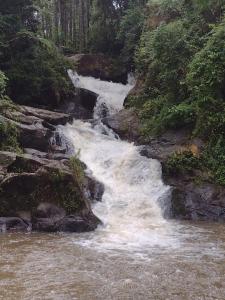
35 153
99 66
74 223
26 163
13 224
125 123
6 159
46 216
48 191
52 117
50 218
36 127
168 143
94 189
205 202
81 106
35 136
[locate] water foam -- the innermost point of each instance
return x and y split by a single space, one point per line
130 208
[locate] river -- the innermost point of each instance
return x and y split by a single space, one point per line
136 253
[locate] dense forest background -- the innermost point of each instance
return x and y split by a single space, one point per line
176 48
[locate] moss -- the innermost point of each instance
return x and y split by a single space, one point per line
9 137
77 170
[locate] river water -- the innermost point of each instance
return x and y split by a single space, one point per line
136 253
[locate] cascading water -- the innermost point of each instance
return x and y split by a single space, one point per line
136 254
130 208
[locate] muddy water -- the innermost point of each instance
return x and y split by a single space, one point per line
59 266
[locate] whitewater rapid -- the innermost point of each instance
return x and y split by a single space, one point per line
133 202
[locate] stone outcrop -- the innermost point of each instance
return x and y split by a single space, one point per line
191 199
99 66
125 123
81 105
45 189
38 188
36 127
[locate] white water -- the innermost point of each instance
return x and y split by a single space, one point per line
134 192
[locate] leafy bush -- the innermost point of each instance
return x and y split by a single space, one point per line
206 79
8 136
183 163
214 159
37 72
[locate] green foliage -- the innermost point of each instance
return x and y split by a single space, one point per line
206 79
130 30
36 71
103 22
182 163
214 159
8 136
66 192
157 116
77 169
3 81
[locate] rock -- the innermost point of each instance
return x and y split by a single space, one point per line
26 163
6 159
36 153
36 127
205 202
50 218
78 224
99 66
45 217
164 146
54 118
48 191
81 106
13 224
94 190
35 136
135 92
125 123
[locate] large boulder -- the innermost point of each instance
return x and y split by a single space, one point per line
13 225
36 127
81 105
204 201
46 190
99 66
125 123
52 117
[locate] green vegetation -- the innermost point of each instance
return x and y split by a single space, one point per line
8 136
183 162
8 131
66 192
36 71
180 61
77 170
177 48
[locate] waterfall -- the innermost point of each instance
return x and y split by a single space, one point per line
130 208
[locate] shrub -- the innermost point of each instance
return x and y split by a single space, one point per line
8 136
183 163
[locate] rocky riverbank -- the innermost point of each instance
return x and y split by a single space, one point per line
43 188
194 197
